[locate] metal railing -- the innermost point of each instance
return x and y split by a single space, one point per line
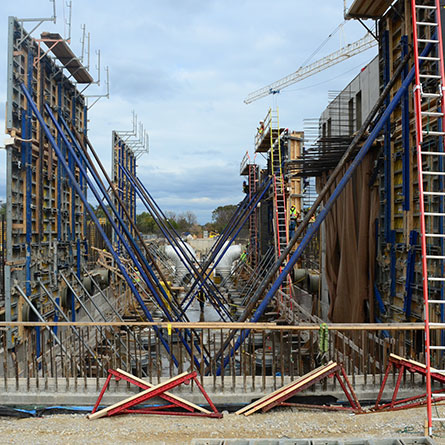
271 356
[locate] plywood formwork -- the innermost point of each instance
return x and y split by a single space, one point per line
46 222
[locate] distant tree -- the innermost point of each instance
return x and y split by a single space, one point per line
222 215
3 210
182 222
145 223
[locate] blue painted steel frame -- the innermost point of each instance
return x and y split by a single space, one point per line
410 267
252 208
93 217
173 241
114 224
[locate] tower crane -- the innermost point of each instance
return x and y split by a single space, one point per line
346 52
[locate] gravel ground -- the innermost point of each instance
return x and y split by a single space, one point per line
282 423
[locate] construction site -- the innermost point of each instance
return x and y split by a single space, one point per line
315 316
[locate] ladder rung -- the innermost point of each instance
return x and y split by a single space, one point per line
434 214
437 325
431 113
436 279
427 23
433 133
425 7
427 41
435 257
431 95
436 301
435 235
429 58
430 76
433 173
437 347
433 153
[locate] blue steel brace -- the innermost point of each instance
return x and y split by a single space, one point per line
85 130
387 140
313 228
410 266
94 218
235 218
140 188
405 133
114 224
217 305
393 270
258 199
124 226
250 205
378 297
59 170
27 155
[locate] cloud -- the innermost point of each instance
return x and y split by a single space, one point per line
185 68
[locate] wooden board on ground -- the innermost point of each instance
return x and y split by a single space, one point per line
258 404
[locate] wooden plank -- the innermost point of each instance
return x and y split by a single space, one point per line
299 383
235 325
281 390
103 412
413 362
179 399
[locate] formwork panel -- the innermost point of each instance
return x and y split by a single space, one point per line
46 222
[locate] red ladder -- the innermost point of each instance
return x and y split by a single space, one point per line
428 104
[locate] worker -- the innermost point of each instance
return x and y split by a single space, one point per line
261 128
293 216
245 188
137 276
243 256
201 299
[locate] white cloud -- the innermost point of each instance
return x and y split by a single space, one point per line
185 68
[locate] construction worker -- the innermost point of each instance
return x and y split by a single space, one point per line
261 128
137 276
243 256
293 216
201 298
245 188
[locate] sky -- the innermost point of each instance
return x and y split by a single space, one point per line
185 67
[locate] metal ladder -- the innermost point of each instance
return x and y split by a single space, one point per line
428 105
280 210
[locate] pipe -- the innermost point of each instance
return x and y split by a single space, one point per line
225 264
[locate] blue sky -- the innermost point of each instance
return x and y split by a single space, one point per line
185 68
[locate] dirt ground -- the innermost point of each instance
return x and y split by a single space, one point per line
282 423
